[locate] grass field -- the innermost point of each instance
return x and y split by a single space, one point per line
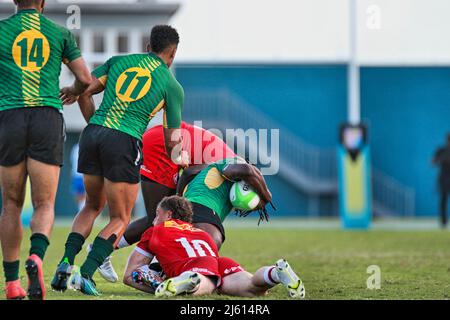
331 262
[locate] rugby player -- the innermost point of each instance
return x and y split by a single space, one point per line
135 87
209 193
189 257
159 176
32 132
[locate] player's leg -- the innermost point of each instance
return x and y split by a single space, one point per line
237 282
205 219
12 182
152 193
121 197
44 184
187 283
81 228
213 231
443 207
13 146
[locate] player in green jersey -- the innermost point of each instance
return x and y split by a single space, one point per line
32 49
209 192
135 88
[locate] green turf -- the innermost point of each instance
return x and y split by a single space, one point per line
332 263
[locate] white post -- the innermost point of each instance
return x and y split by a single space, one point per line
354 107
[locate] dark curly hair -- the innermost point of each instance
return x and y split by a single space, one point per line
180 207
163 36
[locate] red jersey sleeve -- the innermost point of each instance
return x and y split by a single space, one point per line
143 247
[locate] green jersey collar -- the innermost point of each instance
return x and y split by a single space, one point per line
156 57
27 11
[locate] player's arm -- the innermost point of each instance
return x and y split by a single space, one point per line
136 260
174 99
72 58
251 175
188 175
86 101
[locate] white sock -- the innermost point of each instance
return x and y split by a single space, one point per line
123 243
271 276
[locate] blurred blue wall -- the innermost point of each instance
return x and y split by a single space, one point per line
408 110
310 101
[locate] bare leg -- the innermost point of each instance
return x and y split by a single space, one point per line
121 197
44 183
153 193
206 286
13 182
213 231
244 284
95 202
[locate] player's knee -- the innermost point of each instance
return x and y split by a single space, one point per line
121 220
217 237
13 202
94 205
40 204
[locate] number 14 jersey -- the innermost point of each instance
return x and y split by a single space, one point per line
32 49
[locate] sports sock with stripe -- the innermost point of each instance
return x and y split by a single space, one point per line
271 276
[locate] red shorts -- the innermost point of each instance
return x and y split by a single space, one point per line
212 267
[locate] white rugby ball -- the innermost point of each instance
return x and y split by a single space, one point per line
243 197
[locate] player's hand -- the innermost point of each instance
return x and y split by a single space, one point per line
185 160
67 96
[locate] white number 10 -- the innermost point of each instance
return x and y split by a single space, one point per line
194 249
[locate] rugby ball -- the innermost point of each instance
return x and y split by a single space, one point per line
243 197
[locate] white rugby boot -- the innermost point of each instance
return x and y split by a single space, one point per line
106 270
290 280
187 282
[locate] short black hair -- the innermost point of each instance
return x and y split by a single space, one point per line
163 36
181 208
28 2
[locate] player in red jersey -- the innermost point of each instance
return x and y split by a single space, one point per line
159 176
190 259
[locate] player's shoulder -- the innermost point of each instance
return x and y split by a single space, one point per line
147 235
54 26
127 59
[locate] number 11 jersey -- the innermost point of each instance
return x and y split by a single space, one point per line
137 86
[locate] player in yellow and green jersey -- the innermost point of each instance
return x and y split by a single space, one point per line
135 87
32 49
209 192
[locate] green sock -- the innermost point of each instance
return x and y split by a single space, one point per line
74 244
39 244
101 249
11 270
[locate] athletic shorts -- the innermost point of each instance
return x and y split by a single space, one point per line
212 267
110 153
33 132
203 214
